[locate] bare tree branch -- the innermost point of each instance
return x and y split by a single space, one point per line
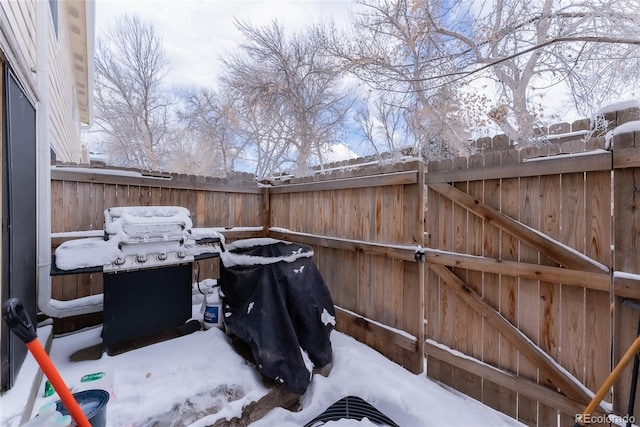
131 109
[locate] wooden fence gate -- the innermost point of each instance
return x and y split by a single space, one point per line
524 250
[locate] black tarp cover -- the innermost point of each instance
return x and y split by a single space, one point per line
276 301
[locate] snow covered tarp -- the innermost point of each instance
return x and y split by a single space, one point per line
276 301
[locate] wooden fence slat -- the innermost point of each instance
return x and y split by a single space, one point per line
475 247
96 212
431 283
464 381
70 209
83 221
448 298
509 250
57 206
572 298
528 298
549 293
490 291
599 234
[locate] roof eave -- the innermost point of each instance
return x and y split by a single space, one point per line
80 21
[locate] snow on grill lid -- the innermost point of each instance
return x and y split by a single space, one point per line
145 222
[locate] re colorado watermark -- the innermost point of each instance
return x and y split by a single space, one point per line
586 419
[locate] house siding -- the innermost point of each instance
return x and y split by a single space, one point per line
19 46
18 40
21 16
64 125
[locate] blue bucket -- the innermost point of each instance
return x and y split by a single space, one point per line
93 403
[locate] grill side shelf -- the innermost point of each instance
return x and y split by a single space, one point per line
55 271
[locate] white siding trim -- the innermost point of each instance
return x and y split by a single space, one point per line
17 43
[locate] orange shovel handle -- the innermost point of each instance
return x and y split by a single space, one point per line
57 382
611 379
18 320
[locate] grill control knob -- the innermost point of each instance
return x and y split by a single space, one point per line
119 261
141 259
161 257
181 254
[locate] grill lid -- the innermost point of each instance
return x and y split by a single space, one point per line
144 223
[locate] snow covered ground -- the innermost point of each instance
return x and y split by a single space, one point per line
201 372
197 379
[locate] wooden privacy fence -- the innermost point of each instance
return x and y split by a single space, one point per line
80 195
507 270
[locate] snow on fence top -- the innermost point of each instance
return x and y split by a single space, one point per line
619 106
232 178
363 166
564 140
610 117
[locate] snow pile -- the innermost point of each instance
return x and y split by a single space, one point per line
199 378
407 399
209 232
233 259
632 126
627 276
87 252
619 106
599 123
148 221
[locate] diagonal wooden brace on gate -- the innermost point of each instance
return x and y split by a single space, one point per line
555 376
561 254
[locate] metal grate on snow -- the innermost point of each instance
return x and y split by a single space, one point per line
352 408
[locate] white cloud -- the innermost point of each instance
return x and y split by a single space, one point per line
338 152
195 33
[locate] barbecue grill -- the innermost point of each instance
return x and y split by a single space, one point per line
146 258
148 237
